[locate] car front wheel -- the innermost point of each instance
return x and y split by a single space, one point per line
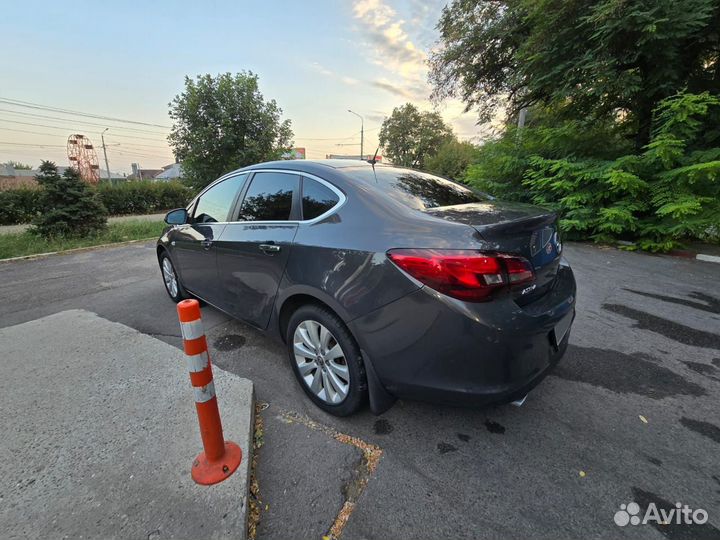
172 283
326 360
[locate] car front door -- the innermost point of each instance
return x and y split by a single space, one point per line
192 244
254 248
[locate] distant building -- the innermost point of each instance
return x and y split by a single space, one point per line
139 173
170 172
357 156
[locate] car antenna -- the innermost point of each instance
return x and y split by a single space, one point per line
373 161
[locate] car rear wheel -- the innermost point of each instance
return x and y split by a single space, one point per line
326 360
173 286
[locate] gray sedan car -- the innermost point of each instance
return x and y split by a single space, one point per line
384 282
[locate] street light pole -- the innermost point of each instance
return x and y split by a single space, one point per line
362 133
107 165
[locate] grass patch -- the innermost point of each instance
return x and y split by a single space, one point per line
26 243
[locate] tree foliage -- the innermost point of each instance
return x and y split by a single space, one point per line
18 165
70 206
452 159
223 123
668 193
410 136
600 56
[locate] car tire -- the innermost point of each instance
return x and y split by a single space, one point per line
332 370
177 292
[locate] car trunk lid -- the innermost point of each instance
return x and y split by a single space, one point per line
522 229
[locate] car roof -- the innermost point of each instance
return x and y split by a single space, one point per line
309 165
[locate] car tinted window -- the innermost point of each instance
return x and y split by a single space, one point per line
417 189
269 197
317 199
214 205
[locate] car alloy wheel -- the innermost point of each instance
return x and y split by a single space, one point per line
169 277
321 362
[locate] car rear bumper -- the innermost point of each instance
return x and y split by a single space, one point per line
430 347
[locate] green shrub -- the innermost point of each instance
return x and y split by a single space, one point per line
666 195
143 197
658 199
22 205
70 206
19 205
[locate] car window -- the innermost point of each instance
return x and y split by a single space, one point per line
269 197
317 198
214 205
417 189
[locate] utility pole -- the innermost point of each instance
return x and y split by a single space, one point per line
521 117
107 166
362 133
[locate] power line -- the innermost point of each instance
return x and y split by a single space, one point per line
134 137
66 120
29 144
30 105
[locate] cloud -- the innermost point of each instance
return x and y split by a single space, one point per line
391 45
393 89
322 70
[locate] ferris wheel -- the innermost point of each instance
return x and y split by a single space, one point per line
83 157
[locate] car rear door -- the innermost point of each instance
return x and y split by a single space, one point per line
193 243
253 249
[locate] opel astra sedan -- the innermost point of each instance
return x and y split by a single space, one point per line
384 282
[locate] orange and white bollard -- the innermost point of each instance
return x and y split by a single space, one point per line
220 458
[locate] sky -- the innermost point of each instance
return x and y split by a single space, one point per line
128 59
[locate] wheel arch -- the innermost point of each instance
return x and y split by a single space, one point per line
380 399
293 301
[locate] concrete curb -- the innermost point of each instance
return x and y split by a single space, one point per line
73 250
707 258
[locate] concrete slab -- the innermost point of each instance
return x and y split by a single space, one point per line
303 475
99 433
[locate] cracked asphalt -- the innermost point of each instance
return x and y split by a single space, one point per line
632 412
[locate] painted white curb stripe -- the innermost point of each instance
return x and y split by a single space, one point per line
192 329
204 393
197 362
708 258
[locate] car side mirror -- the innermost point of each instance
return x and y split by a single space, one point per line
178 216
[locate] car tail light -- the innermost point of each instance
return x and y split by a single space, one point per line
464 274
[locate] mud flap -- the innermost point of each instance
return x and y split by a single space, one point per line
380 399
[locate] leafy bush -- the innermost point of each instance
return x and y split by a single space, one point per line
19 205
22 205
143 197
70 207
659 198
452 159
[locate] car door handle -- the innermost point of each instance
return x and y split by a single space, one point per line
206 244
269 248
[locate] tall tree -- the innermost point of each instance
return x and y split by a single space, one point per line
223 123
410 136
603 57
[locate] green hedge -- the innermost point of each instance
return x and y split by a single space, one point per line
20 205
143 197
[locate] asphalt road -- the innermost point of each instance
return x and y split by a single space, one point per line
631 414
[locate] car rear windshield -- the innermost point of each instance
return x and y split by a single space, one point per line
417 189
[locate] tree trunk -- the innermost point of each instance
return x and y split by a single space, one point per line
644 124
